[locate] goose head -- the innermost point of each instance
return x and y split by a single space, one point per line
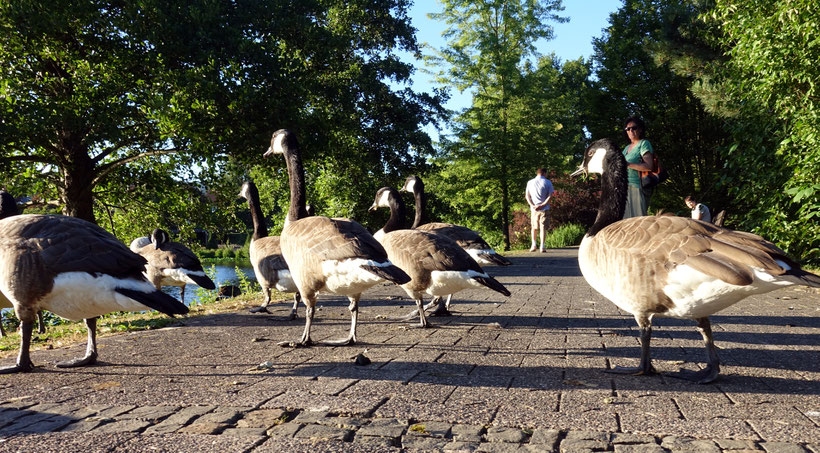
412 184
384 197
594 157
159 237
283 141
249 191
8 207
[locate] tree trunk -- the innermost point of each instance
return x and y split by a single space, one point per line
505 207
77 191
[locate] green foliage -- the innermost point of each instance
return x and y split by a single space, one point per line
205 296
566 235
246 284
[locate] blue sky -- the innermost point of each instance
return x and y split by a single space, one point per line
573 39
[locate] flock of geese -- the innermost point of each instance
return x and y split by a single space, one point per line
647 266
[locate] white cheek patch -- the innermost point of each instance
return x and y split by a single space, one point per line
410 186
79 295
596 163
278 146
384 200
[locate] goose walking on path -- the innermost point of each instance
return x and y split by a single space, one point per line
437 265
468 239
673 266
74 269
170 263
266 255
8 208
334 255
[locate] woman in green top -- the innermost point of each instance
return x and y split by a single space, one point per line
638 156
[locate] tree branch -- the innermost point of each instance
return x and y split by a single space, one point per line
40 159
109 167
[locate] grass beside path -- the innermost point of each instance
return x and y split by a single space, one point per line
71 332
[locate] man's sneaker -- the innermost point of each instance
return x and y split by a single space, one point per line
532 249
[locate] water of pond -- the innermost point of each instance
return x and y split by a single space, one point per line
225 275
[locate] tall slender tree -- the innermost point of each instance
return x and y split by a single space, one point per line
488 46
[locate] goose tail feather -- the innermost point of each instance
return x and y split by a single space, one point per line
493 284
157 300
497 259
203 281
392 273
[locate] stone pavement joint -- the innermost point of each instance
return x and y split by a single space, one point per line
524 373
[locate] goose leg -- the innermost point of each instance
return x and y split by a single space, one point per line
443 308
264 307
90 349
710 373
310 303
422 319
182 294
354 318
24 364
413 313
2 330
645 367
41 325
294 310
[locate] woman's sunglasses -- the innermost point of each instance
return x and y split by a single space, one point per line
631 128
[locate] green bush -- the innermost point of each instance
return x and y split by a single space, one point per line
566 235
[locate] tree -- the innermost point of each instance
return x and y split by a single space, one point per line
99 96
488 45
643 65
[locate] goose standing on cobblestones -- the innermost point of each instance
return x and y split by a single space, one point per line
170 263
468 239
266 255
334 255
673 266
74 269
436 263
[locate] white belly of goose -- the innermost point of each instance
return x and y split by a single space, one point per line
444 283
346 277
80 295
285 282
179 277
696 294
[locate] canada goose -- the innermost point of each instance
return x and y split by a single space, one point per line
436 264
74 269
171 263
672 266
8 208
334 255
468 239
266 255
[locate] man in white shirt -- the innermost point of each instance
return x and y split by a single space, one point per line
538 194
699 210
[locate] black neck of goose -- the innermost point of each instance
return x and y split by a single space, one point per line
397 214
260 230
613 192
420 218
296 178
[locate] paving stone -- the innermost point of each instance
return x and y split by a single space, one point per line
737 444
429 429
204 428
322 432
342 422
225 416
178 420
689 444
639 448
376 443
576 441
284 430
123 426
42 426
504 434
262 418
503 447
149 413
23 423
384 427
412 443
461 446
467 433
86 425
630 438
306 417
115 411
546 437
245 432
782 447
